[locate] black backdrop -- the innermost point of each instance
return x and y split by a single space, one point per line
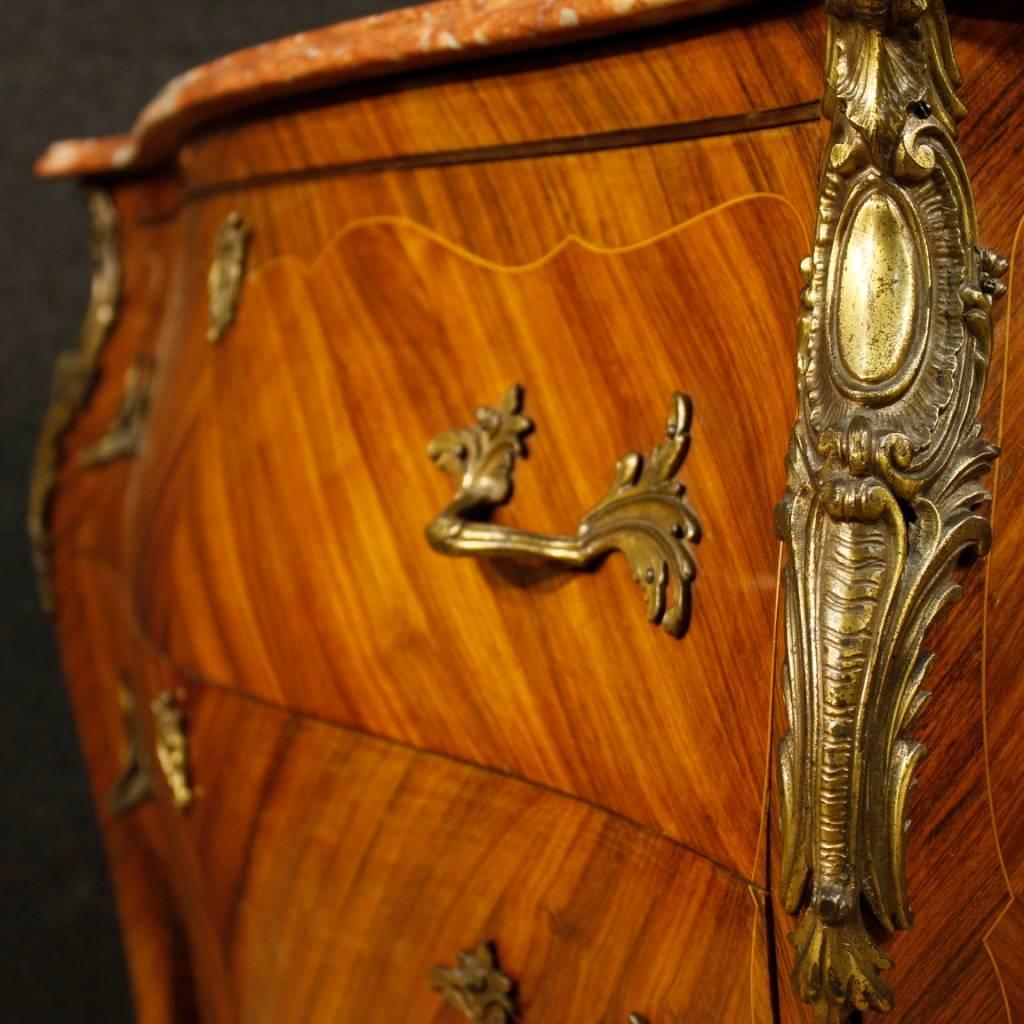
67 68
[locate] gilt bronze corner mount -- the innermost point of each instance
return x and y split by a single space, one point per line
74 377
643 514
885 489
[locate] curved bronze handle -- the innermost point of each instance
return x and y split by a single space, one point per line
643 515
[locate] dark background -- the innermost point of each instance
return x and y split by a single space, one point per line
70 68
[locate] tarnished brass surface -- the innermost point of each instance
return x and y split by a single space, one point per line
227 271
74 377
884 491
122 437
135 782
643 515
477 988
172 747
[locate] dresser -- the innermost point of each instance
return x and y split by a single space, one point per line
533 483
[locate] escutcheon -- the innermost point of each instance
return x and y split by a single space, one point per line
481 991
227 272
885 474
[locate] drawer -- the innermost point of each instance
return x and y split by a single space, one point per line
277 528
337 871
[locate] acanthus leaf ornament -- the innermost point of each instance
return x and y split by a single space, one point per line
885 474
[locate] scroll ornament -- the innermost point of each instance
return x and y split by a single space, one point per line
885 473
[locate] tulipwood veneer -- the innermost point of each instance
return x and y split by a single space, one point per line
396 755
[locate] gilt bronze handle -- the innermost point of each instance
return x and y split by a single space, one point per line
643 514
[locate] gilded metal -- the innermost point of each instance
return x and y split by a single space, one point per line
172 747
643 514
477 988
74 377
884 492
227 271
122 437
135 782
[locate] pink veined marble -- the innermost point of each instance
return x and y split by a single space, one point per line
415 37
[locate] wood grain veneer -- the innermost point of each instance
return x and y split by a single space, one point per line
545 768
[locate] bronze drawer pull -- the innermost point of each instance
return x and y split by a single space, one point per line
643 514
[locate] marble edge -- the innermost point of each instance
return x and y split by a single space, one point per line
442 32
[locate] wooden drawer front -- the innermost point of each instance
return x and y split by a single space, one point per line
338 870
278 525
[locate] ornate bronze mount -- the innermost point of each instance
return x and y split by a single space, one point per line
74 377
884 492
480 991
227 271
122 437
643 515
172 747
